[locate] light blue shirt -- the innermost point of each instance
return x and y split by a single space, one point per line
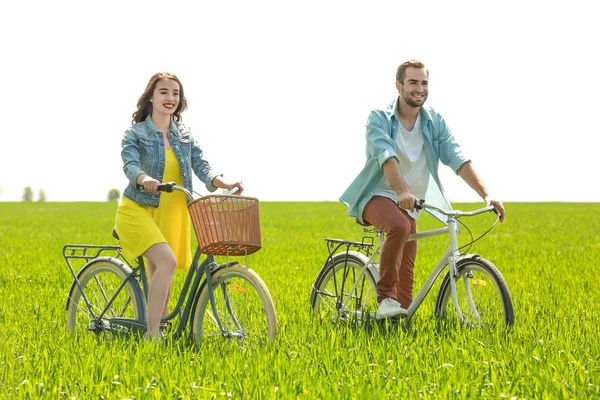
382 127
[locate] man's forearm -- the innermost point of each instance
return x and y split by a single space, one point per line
471 177
392 172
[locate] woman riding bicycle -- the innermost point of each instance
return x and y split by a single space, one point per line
159 148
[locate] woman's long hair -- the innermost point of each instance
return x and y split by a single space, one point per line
144 105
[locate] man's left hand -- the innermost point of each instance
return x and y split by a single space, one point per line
497 205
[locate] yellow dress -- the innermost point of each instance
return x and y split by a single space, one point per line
140 227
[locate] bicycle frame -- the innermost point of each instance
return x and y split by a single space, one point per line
207 267
450 257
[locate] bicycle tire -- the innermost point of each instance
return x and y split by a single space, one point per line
100 280
331 298
489 291
250 303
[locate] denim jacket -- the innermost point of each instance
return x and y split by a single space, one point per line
143 151
382 127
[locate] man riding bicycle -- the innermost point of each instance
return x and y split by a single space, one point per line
405 143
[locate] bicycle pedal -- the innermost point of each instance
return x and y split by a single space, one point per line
165 326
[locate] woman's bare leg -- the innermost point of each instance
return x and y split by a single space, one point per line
151 269
162 264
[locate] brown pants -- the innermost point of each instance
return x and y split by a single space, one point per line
397 260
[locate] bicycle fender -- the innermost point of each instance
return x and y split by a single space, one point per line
466 257
371 268
112 260
223 265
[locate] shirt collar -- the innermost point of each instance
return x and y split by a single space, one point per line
424 111
152 128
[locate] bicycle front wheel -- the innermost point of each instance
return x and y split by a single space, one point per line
243 308
114 302
483 296
345 288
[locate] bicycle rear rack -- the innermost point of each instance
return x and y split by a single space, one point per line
91 251
365 246
88 252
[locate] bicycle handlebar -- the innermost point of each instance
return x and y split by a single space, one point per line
170 186
420 205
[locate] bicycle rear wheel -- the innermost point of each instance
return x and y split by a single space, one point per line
345 289
115 306
243 306
482 292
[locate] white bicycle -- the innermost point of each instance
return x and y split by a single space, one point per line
345 286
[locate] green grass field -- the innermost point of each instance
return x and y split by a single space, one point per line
548 253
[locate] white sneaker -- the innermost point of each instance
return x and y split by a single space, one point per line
158 338
389 308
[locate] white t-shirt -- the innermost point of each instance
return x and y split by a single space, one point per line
413 165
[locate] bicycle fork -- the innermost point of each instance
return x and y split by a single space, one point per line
453 271
213 303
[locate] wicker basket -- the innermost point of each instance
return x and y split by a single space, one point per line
226 225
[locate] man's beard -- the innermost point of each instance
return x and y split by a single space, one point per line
412 102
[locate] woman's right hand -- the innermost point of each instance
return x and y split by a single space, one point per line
150 184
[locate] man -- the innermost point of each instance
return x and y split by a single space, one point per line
405 144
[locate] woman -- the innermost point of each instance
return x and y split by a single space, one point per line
159 148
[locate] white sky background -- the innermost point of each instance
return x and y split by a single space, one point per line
279 91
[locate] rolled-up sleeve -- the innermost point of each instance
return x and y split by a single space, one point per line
380 145
451 154
202 168
130 153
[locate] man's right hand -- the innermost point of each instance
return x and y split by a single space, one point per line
407 201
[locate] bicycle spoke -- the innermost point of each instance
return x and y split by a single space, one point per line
125 307
228 305
212 318
97 279
345 289
81 308
482 295
109 294
239 306
329 296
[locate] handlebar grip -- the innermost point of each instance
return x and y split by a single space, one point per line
233 191
163 187
166 187
419 204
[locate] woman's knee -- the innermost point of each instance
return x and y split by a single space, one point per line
170 262
162 257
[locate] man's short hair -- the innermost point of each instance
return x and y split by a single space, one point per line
401 73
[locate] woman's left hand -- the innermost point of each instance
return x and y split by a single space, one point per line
231 186
228 185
